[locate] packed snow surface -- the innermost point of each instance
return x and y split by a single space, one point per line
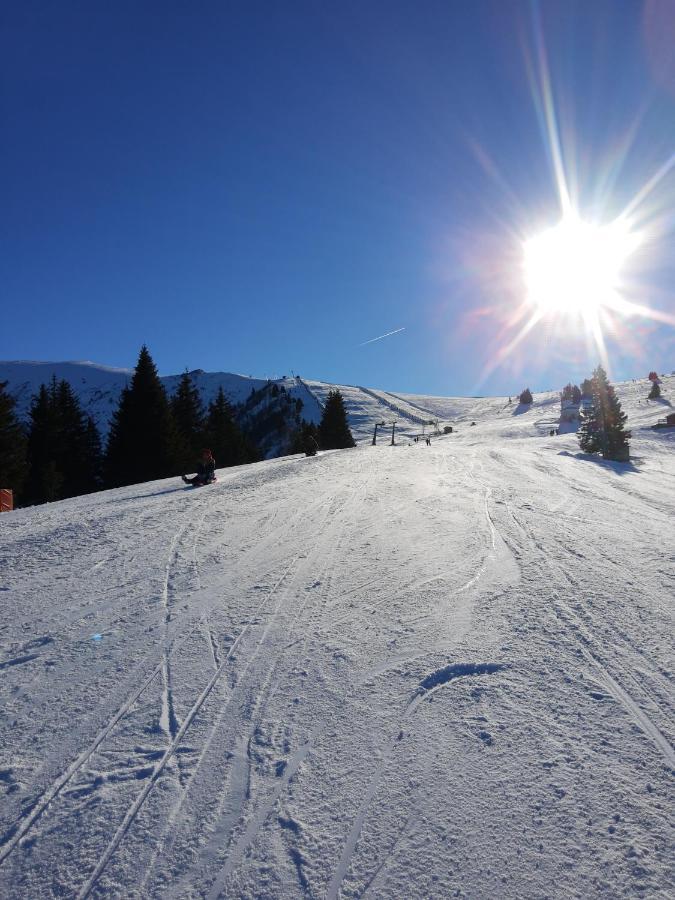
395 672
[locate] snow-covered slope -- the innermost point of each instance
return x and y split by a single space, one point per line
98 387
496 415
406 671
506 416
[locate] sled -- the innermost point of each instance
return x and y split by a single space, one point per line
204 483
200 483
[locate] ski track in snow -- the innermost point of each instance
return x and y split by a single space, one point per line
427 687
41 803
222 828
593 655
169 647
381 672
133 810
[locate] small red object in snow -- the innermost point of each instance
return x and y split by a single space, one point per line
6 500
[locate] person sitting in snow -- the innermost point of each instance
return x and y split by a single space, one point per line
206 470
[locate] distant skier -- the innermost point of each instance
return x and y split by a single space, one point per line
206 471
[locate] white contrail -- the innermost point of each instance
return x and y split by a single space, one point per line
396 331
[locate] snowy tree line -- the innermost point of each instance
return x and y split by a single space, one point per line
59 453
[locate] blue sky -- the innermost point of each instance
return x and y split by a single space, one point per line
262 187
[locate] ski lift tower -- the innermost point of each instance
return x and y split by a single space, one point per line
377 425
382 425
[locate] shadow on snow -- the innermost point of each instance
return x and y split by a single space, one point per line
621 468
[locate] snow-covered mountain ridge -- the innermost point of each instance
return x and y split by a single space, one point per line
98 388
406 671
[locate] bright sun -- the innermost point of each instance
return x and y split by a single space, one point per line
576 267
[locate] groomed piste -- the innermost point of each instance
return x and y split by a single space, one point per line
411 671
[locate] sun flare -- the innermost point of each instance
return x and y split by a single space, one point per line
579 288
576 267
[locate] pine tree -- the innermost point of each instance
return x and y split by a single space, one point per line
334 431
93 474
525 396
602 425
64 448
45 481
142 440
571 394
71 452
655 392
188 416
615 444
223 436
589 425
13 465
303 438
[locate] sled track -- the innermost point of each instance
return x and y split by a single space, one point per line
587 645
619 637
134 809
56 628
264 808
16 832
225 823
221 718
176 740
238 793
436 681
167 718
423 694
122 607
583 620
